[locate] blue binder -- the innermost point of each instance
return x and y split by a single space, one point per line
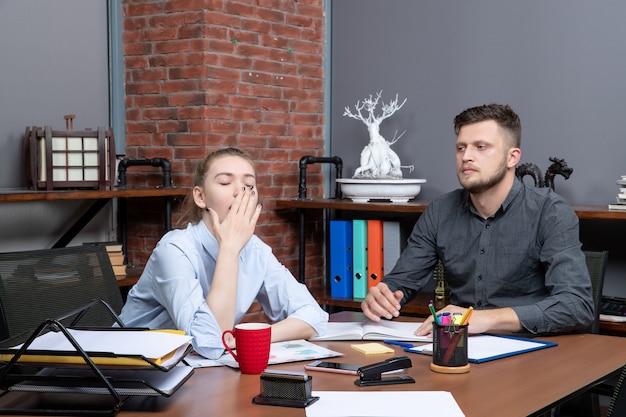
341 258
359 263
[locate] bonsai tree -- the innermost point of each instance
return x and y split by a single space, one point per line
378 160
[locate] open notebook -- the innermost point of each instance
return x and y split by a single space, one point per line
370 330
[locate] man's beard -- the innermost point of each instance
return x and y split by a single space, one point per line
481 186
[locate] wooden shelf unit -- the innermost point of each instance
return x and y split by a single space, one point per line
418 305
100 199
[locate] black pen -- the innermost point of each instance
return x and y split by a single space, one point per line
402 344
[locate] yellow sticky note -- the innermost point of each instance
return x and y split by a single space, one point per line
372 348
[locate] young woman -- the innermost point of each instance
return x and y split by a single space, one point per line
203 279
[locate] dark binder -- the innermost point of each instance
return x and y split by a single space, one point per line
341 258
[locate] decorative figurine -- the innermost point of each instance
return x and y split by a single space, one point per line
378 160
558 167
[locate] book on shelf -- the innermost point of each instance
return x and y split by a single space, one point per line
369 330
116 256
612 318
617 206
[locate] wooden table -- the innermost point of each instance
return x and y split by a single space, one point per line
522 385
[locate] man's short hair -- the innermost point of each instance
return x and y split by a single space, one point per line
502 114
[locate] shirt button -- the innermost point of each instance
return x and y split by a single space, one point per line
479 303
488 226
482 251
480 277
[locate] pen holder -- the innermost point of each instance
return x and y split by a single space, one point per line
450 349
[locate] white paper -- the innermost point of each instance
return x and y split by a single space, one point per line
288 351
150 344
384 403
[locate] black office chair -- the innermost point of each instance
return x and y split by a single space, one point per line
596 264
41 284
587 404
617 407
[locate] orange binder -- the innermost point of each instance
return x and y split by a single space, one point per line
375 254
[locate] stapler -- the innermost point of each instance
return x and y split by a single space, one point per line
370 375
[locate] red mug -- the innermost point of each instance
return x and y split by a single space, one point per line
252 345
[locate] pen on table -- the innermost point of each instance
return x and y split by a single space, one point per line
434 313
467 315
401 344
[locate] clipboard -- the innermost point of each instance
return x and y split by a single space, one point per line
489 347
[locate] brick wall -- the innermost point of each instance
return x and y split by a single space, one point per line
204 74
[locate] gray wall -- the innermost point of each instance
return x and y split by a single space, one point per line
54 62
560 64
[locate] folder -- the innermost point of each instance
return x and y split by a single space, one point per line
359 258
392 244
487 347
340 258
107 347
375 257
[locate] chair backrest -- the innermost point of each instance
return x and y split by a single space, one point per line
596 264
47 284
617 406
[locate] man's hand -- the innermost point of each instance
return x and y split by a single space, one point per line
499 319
381 302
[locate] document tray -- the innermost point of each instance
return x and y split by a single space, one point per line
116 385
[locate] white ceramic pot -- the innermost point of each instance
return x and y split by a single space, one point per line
364 190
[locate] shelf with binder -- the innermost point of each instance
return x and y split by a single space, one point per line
346 209
65 361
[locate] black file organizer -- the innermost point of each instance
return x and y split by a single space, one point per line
80 379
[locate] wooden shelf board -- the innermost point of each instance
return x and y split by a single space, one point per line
583 211
16 195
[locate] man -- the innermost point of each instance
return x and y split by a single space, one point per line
510 251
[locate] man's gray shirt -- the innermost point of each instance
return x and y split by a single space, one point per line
526 256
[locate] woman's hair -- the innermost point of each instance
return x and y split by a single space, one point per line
192 213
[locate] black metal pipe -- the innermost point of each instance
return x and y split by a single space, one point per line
305 161
309 159
125 163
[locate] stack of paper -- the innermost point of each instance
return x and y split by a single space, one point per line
620 200
383 403
106 347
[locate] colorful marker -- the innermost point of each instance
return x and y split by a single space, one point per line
466 316
433 312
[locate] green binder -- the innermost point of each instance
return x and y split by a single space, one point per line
359 261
